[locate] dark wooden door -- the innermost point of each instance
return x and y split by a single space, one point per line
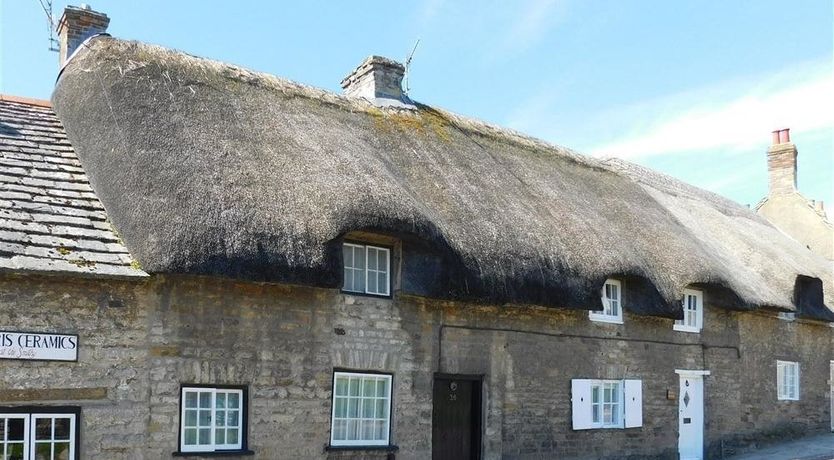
456 418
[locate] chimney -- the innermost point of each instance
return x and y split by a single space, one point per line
377 79
781 163
77 24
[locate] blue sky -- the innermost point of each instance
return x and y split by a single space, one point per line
691 88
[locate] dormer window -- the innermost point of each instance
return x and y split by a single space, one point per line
693 312
612 310
366 269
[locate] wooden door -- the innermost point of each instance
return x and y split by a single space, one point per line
456 418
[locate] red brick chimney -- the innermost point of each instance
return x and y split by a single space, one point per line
781 163
77 24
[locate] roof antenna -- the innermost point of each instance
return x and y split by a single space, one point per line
50 23
408 66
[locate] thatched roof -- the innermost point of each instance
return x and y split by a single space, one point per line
208 168
50 220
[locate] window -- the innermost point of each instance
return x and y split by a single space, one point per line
40 435
361 409
606 403
787 380
366 269
212 419
693 312
612 311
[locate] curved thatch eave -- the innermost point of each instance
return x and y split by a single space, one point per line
207 168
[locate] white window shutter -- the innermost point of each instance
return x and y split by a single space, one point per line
633 390
581 404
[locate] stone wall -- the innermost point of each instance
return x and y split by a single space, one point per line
141 340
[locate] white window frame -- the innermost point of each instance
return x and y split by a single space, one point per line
697 324
783 392
367 248
618 390
212 446
605 316
361 442
29 426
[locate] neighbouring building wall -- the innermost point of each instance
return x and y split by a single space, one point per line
794 215
139 341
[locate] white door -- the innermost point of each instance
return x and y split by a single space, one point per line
691 417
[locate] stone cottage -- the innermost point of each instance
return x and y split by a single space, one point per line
201 260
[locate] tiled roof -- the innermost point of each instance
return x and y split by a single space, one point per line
50 218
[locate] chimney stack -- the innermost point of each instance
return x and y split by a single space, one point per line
377 79
77 24
781 163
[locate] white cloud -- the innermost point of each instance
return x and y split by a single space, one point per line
801 101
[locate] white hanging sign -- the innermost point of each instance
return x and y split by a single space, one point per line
36 346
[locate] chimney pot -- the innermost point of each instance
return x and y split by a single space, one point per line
76 25
377 79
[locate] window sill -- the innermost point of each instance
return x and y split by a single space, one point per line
605 319
680 328
367 294
217 453
386 448
788 399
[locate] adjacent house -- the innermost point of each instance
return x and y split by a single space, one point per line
201 260
801 218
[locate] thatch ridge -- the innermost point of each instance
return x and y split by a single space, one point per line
208 168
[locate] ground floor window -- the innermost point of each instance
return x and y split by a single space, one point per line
42 433
213 419
787 380
361 409
606 403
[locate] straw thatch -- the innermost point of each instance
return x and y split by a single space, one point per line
207 168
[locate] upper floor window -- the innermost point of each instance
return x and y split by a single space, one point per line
612 311
366 269
693 312
787 380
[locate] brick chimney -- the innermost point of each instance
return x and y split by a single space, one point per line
77 24
376 78
781 163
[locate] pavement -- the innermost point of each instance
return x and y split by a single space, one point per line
819 447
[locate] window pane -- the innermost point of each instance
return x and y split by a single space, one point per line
380 408
595 394
14 452
340 410
353 407
372 285
359 280
348 281
367 429
352 430
359 259
62 451
372 259
62 428
381 429
220 436
205 400
190 399
220 401
383 261
15 429
380 388
339 429
595 412
341 386
232 436
606 413
382 283
233 401
347 255
190 417
233 419
43 451
220 418
354 386
386 384
368 408
43 429
205 418
204 436
190 436
368 387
